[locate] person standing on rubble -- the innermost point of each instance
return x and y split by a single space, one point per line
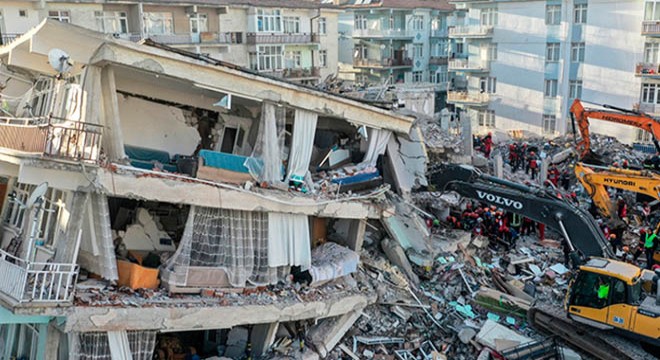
646 212
487 144
553 175
564 180
622 209
513 157
650 244
533 165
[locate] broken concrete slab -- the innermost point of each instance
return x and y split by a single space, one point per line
327 334
499 337
499 301
466 334
397 256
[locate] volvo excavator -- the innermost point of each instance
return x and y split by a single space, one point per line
638 181
589 320
610 113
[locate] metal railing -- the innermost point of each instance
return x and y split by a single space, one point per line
647 69
383 33
651 28
468 97
439 33
275 38
296 73
201 38
466 64
54 137
438 60
471 30
8 38
34 282
385 62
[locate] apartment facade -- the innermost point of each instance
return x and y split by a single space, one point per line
97 179
524 62
296 41
400 43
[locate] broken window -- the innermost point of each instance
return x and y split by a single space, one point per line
159 23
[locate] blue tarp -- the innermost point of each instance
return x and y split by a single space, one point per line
356 178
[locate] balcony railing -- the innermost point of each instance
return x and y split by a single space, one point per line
259 38
134 37
438 60
468 98
471 31
71 140
467 65
382 63
647 70
439 33
201 38
29 282
8 38
383 33
647 108
298 73
651 28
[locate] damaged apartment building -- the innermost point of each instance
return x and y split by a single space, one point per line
156 200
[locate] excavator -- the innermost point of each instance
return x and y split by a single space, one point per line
614 114
639 181
589 321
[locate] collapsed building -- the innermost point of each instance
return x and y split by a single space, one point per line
148 191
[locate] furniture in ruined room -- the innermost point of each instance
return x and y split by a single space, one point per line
222 167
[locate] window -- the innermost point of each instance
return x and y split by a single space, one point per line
54 208
111 22
580 13
198 23
489 17
417 76
618 292
291 24
42 97
549 124
575 89
651 53
158 23
491 52
391 23
486 118
418 22
269 20
459 47
418 51
59 15
22 13
577 52
586 291
360 22
441 76
361 51
550 88
269 57
552 52
649 93
323 26
488 85
652 11
552 14
15 212
439 48
323 58
643 136
292 59
436 24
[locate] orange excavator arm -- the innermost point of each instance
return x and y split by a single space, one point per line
581 115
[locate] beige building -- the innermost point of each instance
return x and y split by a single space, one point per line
294 40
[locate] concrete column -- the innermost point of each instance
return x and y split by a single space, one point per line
112 138
52 343
262 337
499 166
466 132
356 232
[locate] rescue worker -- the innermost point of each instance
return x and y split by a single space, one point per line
603 290
615 242
553 175
533 165
487 144
640 244
564 180
646 212
650 243
513 157
622 209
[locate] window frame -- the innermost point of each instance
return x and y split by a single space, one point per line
417 22
360 22
550 88
323 58
488 17
60 15
417 76
291 21
654 13
486 118
553 14
322 26
164 17
491 52
418 51
580 13
121 18
651 52
269 20
552 51
549 123
578 50
273 57
575 89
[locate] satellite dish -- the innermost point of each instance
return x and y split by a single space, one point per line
59 60
38 193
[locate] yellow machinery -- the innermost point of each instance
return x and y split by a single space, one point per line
619 304
638 181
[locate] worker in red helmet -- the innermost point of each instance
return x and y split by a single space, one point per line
487 142
533 165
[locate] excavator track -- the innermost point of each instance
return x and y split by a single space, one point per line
597 343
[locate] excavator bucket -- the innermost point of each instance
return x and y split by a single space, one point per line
593 158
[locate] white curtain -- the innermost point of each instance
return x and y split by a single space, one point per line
288 240
265 163
304 128
119 347
378 139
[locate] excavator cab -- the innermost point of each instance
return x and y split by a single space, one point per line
607 294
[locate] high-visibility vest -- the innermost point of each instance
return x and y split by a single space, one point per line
515 221
603 291
648 243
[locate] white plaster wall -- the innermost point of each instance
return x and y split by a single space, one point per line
519 69
81 14
614 45
151 125
345 24
330 43
15 24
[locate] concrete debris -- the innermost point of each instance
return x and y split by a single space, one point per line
499 337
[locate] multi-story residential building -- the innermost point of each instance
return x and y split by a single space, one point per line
526 61
122 164
294 40
402 43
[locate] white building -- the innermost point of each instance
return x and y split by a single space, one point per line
524 62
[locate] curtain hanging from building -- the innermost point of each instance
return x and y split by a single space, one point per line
265 163
125 345
232 240
378 139
288 240
304 128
